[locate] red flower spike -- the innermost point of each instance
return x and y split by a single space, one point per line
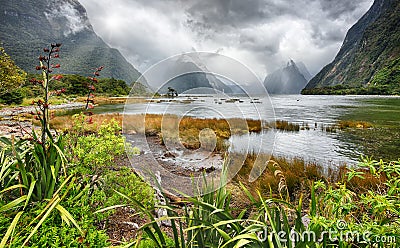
56 66
56 55
96 73
44 67
63 90
38 67
33 102
100 68
90 106
50 70
56 50
58 44
42 58
57 77
46 50
90 120
53 45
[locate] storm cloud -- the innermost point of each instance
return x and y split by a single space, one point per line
263 34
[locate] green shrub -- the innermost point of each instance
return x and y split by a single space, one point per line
125 181
94 151
12 97
54 231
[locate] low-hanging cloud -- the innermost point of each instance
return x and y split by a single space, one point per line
263 34
75 22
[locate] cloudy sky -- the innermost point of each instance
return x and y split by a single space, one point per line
263 34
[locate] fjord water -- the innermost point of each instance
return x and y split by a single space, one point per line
316 112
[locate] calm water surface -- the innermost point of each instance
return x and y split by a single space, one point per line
314 111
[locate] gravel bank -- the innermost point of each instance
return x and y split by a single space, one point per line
27 109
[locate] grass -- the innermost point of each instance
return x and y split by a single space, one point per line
299 175
286 126
193 133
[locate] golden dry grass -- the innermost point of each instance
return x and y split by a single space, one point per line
354 124
193 133
298 177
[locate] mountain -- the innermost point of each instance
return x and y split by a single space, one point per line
303 70
288 80
28 26
193 78
369 59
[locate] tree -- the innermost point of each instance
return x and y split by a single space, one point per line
11 76
172 92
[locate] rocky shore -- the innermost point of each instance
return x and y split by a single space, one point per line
28 109
10 124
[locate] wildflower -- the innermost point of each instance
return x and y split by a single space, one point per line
57 77
56 50
58 44
46 50
38 67
42 58
56 66
90 106
93 79
56 55
90 120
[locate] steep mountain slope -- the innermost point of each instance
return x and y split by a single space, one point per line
27 26
368 60
288 80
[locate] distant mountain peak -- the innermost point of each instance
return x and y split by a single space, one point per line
194 77
290 63
287 80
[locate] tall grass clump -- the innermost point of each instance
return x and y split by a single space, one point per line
207 219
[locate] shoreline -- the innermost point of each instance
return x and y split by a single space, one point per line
7 111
